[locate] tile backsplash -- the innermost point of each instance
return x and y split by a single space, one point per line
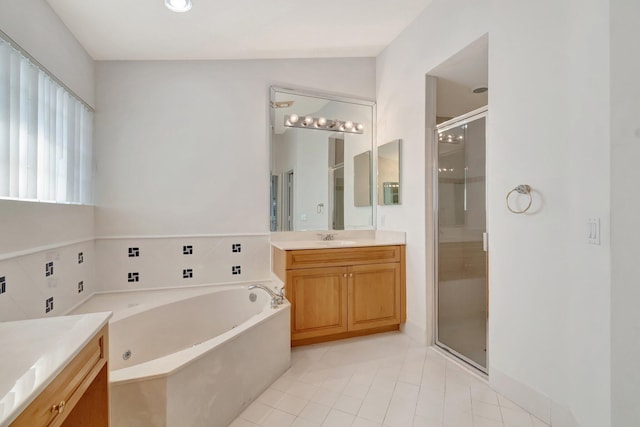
48 282
157 262
52 281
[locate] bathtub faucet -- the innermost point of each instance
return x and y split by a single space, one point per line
276 298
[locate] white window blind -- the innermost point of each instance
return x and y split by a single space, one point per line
45 135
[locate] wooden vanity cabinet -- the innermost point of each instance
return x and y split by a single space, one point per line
342 292
79 395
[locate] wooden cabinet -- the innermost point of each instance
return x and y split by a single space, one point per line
320 296
78 396
374 296
343 292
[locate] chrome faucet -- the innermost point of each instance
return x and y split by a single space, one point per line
328 236
276 298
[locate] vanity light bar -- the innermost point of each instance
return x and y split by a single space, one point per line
321 123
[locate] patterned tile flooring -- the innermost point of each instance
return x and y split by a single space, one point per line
380 380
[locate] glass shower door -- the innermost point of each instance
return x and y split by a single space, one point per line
461 282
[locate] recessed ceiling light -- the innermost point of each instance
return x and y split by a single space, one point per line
178 5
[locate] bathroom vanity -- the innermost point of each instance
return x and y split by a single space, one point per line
56 372
341 289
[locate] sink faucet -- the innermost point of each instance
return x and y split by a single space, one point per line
276 298
328 236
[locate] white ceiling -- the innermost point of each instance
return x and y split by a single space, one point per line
236 29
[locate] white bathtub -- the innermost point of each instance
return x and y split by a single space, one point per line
198 356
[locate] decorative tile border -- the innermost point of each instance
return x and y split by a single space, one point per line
48 305
210 260
70 273
46 283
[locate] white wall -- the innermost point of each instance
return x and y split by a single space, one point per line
625 175
37 29
549 311
182 147
26 226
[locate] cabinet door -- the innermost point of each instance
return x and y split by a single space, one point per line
319 301
374 296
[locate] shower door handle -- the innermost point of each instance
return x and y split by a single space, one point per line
485 241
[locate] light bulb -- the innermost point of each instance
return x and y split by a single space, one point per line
308 120
348 125
178 5
293 118
360 126
322 121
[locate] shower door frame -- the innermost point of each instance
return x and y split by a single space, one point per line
449 124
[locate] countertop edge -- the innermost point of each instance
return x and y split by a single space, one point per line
99 320
292 245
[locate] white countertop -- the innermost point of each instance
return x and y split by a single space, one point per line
35 351
330 244
343 239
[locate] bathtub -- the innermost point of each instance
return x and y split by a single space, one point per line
191 357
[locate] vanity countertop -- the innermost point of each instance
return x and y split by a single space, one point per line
309 240
35 351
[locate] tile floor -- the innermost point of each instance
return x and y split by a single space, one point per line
380 380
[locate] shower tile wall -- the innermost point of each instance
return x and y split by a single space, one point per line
46 283
140 263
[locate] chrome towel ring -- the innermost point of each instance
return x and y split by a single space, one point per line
520 189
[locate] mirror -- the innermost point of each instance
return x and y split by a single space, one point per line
321 162
389 173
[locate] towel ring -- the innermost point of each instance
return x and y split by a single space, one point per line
520 189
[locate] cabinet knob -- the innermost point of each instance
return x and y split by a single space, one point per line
59 408
350 274
344 275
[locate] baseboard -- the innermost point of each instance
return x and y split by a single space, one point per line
415 332
537 403
561 416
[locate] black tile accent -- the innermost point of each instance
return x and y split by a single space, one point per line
187 250
134 252
48 269
48 305
133 277
80 258
80 286
236 247
3 285
236 270
187 273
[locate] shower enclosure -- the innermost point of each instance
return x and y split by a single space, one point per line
461 260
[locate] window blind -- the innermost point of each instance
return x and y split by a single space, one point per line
45 135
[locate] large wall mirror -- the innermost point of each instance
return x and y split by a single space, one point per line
321 162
